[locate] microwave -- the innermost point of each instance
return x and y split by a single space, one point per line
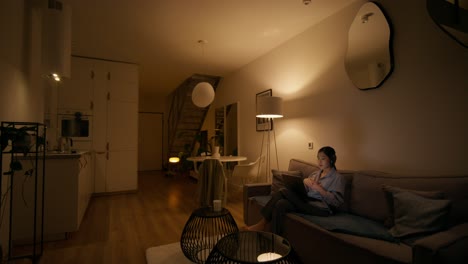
76 126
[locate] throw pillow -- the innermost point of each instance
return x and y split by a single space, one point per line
277 182
351 224
415 214
391 190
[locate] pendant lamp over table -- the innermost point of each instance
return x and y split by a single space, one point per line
203 93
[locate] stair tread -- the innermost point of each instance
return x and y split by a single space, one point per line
191 117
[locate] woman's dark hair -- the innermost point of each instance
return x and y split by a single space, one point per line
330 153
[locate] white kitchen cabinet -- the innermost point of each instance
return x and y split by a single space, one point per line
75 93
115 127
67 191
85 185
122 137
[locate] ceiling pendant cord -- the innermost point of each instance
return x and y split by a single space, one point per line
203 93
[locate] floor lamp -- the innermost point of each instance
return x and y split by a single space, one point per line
269 107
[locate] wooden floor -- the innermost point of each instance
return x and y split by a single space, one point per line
119 228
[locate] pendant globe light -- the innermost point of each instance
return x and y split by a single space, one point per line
203 94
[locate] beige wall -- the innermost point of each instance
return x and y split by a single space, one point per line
21 84
152 103
414 123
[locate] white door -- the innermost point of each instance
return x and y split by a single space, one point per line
150 133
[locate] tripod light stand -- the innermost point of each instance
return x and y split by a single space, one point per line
269 107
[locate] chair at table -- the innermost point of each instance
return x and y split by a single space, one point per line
212 183
248 173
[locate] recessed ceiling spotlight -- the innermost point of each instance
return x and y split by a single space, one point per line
306 2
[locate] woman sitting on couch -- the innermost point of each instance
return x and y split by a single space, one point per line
323 192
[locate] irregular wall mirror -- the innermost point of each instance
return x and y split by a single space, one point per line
452 17
369 58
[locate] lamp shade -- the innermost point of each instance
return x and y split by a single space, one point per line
269 107
56 39
203 94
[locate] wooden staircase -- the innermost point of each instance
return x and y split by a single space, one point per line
185 119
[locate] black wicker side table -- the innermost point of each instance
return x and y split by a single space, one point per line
252 247
203 230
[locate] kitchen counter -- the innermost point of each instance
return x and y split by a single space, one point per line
65 155
69 184
55 154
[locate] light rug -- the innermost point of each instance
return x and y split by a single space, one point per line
166 254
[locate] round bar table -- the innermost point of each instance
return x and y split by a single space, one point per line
222 158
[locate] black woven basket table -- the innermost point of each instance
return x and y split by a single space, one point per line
252 247
203 230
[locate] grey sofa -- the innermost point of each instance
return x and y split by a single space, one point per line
357 232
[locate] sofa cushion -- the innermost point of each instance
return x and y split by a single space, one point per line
348 179
277 182
391 190
303 166
352 224
315 244
415 214
368 199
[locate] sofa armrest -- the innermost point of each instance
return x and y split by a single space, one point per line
254 189
448 246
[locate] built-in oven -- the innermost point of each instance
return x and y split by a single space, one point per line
76 126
